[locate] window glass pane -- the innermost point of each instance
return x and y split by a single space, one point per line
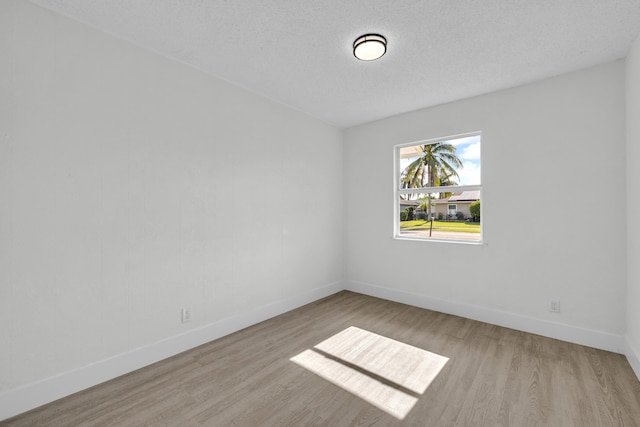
432 216
441 163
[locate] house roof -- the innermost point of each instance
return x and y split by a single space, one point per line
464 196
299 53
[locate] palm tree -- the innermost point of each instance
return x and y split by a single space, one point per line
443 181
437 165
424 205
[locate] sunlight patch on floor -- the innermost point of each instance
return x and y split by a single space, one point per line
389 374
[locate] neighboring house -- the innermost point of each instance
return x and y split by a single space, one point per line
458 202
406 203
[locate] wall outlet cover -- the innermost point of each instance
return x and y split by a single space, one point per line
186 315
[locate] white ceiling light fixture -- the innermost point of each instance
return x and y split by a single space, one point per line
369 47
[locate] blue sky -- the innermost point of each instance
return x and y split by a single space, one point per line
468 151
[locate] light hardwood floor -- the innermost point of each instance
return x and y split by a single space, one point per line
478 375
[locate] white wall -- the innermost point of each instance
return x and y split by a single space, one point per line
633 206
132 186
553 156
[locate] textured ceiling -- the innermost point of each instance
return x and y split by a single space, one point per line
298 52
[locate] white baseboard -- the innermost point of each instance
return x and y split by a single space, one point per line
30 396
633 356
561 331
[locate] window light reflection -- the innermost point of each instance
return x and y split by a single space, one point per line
386 373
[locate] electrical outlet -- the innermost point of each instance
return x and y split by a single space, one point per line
554 307
186 315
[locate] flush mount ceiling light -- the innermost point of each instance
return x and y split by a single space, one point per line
369 47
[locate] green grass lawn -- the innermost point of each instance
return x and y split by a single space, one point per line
420 224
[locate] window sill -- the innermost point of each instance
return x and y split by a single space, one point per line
463 242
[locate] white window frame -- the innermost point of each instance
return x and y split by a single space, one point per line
397 191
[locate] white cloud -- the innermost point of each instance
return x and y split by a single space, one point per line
464 141
470 174
470 152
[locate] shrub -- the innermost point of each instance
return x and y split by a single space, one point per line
474 208
440 216
410 214
459 215
421 215
403 215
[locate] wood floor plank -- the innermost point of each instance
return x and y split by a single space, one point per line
494 376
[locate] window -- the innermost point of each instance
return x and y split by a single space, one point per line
438 189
